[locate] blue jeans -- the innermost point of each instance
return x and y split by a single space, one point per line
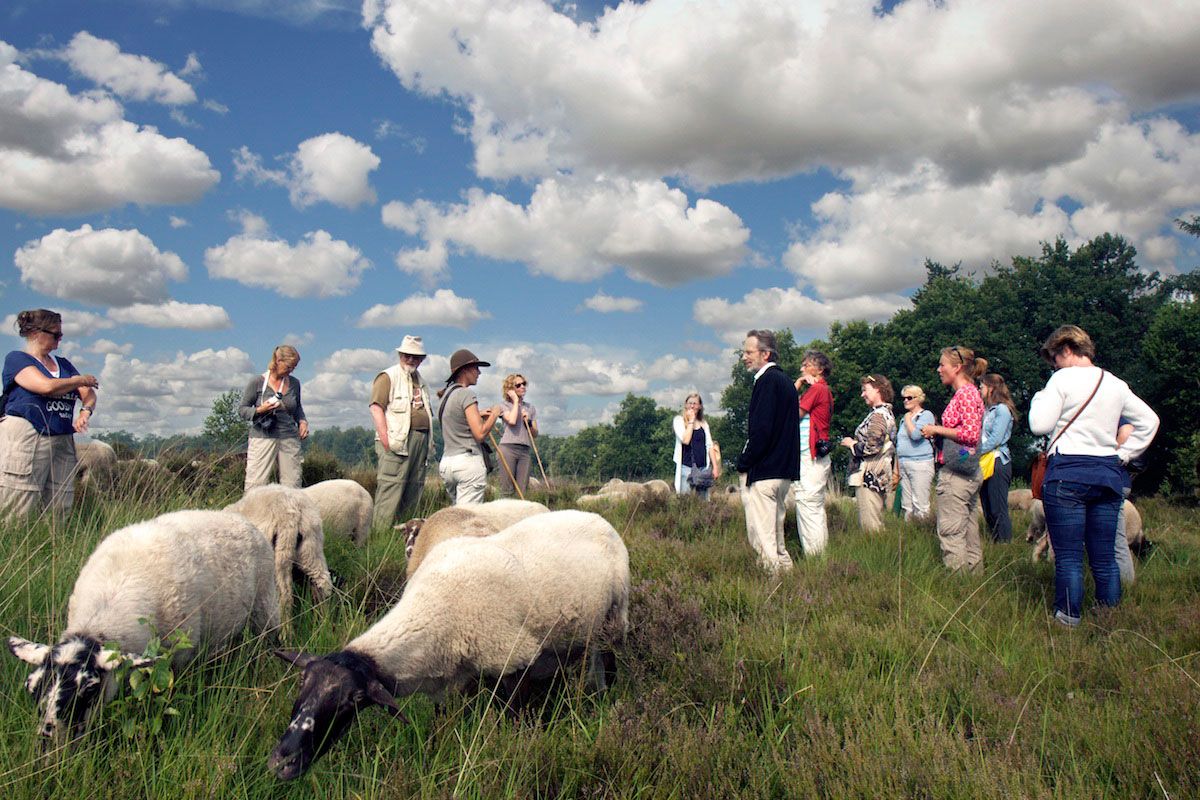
1080 517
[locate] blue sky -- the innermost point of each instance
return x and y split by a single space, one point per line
603 199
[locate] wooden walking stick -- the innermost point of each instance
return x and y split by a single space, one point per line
504 463
533 441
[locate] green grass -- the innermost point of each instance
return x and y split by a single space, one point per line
868 673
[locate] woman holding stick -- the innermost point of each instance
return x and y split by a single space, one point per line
520 429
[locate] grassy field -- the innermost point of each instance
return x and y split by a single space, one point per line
870 673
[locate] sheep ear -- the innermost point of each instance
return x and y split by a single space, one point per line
27 651
109 659
383 697
296 657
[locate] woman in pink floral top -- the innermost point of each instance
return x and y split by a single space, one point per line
959 482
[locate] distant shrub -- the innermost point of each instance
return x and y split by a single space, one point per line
365 477
320 465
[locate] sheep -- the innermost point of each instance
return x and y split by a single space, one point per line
94 456
206 573
1135 536
1020 499
617 489
519 603
345 508
292 524
470 519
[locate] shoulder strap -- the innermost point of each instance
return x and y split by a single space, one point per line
1077 413
445 397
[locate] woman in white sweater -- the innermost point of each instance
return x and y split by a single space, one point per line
694 445
1082 491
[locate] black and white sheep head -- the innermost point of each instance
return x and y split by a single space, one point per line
69 680
333 689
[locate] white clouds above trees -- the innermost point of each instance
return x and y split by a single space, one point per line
63 154
577 230
317 266
174 314
331 168
443 307
100 267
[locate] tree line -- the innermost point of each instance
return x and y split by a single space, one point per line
1146 327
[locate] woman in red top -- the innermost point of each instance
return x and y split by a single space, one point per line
959 482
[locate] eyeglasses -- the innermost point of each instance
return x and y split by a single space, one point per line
519 385
907 397
55 334
411 357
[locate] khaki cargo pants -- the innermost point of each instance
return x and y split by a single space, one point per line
36 471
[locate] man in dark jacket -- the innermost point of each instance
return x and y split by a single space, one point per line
770 461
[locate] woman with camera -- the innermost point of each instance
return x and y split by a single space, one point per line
37 421
271 403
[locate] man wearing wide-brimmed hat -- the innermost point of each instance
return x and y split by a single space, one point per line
403 430
464 428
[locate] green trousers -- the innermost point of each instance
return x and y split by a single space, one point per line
400 480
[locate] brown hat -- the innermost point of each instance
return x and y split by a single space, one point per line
464 358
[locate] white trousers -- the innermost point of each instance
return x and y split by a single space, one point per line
810 503
465 477
765 503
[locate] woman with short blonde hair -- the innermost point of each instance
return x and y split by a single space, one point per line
271 404
914 454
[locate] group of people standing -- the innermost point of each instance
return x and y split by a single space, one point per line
1096 425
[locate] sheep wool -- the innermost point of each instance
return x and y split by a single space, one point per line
345 508
540 592
207 573
469 519
292 524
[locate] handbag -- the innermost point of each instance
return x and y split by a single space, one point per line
987 464
701 478
1037 471
959 459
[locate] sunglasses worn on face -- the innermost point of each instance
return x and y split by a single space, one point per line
907 397
55 334
518 385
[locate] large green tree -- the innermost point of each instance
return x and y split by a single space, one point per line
223 428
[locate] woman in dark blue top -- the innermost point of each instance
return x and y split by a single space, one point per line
37 445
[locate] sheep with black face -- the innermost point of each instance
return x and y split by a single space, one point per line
206 573
520 603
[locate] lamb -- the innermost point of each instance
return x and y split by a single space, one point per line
206 573
542 592
470 519
345 508
292 524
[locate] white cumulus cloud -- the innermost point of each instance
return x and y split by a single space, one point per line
607 304
332 167
129 76
106 267
64 154
317 266
776 307
173 314
443 307
577 230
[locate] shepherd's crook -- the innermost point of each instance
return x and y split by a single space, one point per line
533 441
504 463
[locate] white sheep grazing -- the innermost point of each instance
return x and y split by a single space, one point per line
93 456
292 524
616 490
521 602
206 573
345 508
469 519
